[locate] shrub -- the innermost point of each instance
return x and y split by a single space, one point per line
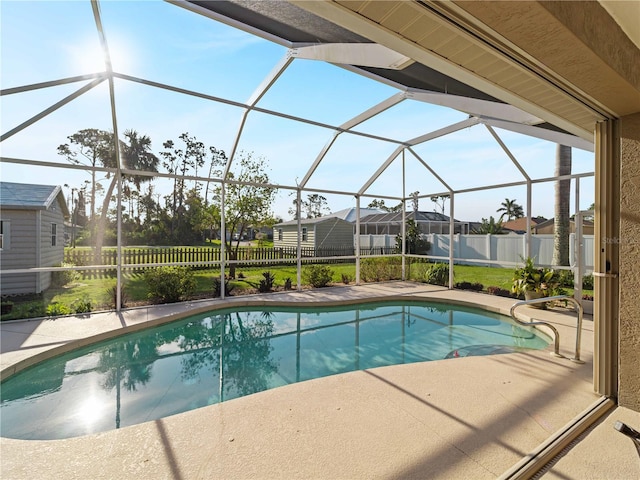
476 287
170 284
346 278
57 308
266 284
317 275
417 268
500 292
217 287
381 269
587 282
565 278
437 274
81 305
64 277
113 296
287 283
530 278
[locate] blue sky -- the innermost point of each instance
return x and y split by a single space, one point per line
154 40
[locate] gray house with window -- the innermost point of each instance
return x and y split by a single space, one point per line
323 234
31 235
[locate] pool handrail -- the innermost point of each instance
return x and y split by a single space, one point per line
580 310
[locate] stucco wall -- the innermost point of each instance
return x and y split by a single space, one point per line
629 333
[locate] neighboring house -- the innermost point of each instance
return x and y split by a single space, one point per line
350 214
320 233
519 225
391 223
548 227
31 235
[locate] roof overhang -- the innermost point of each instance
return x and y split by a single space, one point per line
467 52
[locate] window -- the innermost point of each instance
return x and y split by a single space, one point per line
54 234
304 234
279 234
3 227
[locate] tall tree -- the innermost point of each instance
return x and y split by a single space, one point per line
80 214
218 157
561 221
182 162
313 207
415 201
440 202
414 244
248 200
136 155
510 209
380 205
92 147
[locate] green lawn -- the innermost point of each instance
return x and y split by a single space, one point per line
487 276
99 291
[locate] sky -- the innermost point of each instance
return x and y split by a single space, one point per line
154 40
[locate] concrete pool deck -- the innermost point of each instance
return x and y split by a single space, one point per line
462 418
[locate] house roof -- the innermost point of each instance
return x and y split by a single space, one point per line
313 221
349 214
520 224
546 223
26 196
396 217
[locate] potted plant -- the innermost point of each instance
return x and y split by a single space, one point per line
534 282
587 304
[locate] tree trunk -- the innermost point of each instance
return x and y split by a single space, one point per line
561 224
102 224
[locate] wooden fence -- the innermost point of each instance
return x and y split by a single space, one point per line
196 256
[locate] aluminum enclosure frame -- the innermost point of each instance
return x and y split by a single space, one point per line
489 114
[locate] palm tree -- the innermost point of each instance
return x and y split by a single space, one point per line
510 209
561 221
136 155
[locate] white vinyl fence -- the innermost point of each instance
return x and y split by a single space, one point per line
491 250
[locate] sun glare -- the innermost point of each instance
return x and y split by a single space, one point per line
90 410
88 57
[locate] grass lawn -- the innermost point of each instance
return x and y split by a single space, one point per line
487 276
99 291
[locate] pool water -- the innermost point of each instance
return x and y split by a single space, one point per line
212 357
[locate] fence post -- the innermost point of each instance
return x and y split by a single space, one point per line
488 247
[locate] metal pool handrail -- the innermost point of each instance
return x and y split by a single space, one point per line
556 349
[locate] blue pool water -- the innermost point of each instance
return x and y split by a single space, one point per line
216 356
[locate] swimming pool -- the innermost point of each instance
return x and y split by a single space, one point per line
216 356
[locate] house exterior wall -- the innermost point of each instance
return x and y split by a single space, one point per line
19 251
290 236
51 255
333 233
629 275
22 249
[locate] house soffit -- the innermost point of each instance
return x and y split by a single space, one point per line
444 36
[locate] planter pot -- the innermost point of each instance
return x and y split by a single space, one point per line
587 306
531 295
